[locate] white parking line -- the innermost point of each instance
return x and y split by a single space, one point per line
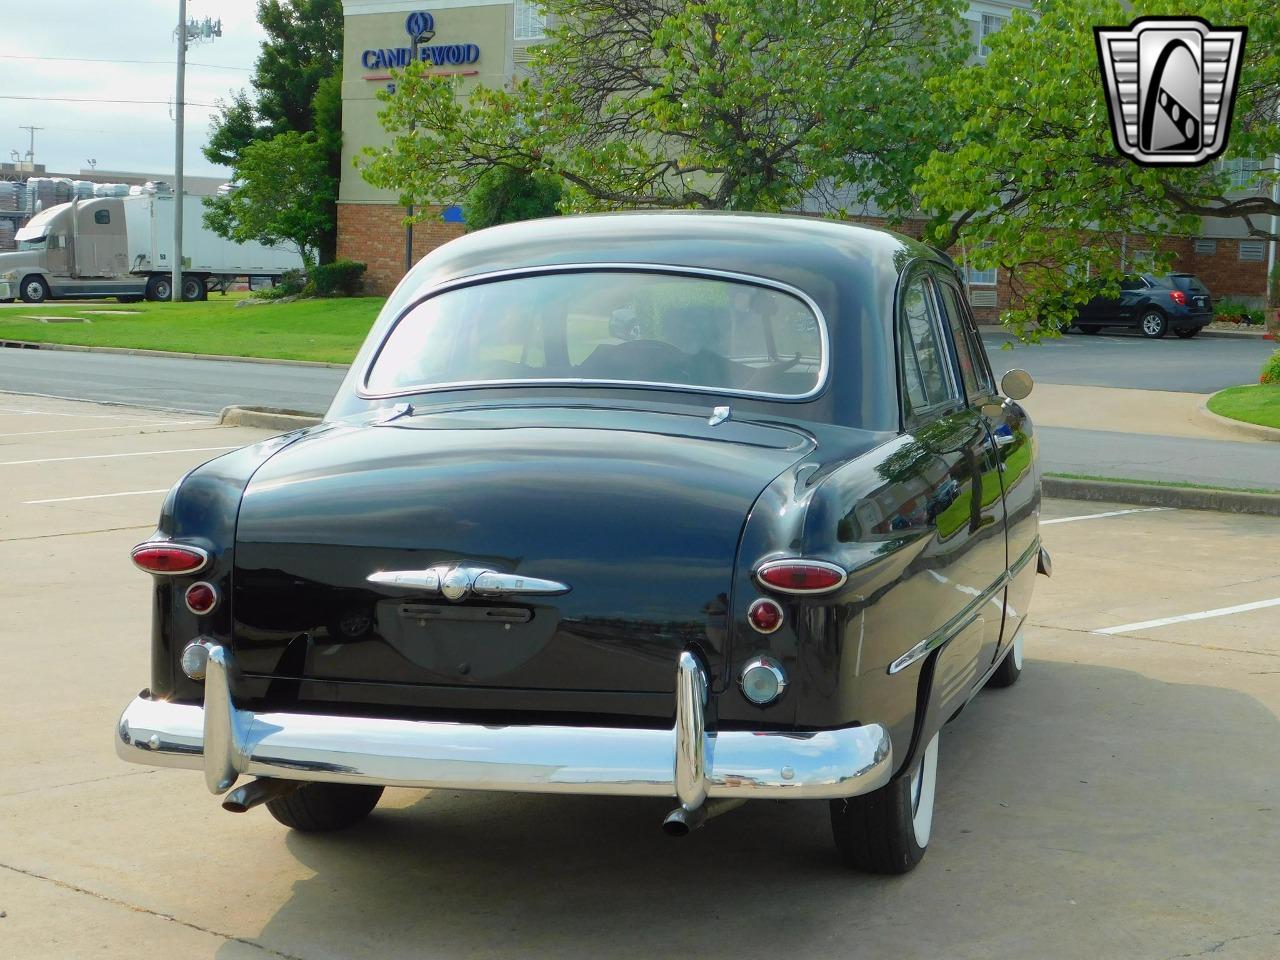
24 412
113 426
1183 618
1099 516
98 496
110 456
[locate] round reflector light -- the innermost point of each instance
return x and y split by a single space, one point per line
763 681
201 597
169 558
801 576
765 616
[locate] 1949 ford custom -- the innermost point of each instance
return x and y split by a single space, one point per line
701 506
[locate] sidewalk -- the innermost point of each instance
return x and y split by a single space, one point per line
1153 412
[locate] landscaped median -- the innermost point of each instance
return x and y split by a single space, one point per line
1257 403
327 330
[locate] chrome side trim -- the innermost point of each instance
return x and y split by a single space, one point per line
824 362
226 742
804 561
948 629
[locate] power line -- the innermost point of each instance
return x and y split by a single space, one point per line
163 63
189 103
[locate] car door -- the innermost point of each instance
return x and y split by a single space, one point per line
1133 296
961 489
1015 444
974 377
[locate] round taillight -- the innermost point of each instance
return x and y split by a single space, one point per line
201 597
763 681
800 576
169 558
765 616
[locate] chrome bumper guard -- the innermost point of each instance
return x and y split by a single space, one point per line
686 762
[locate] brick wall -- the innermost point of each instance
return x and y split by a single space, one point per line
373 233
1223 272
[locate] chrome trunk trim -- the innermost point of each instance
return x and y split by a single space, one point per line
686 761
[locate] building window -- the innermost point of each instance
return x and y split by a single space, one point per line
531 22
1242 171
1204 247
1253 251
980 278
991 22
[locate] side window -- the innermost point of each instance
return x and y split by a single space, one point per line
924 357
102 216
1133 283
968 348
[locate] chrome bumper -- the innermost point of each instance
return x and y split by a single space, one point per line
686 762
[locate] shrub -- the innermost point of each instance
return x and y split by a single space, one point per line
1271 369
343 278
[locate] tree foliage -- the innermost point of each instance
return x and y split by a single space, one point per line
296 88
720 104
505 195
286 195
1031 182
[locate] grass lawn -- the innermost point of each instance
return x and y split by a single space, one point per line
329 330
1257 403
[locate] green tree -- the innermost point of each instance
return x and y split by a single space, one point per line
296 87
286 195
1031 181
719 104
505 195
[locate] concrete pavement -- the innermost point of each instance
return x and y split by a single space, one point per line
1119 801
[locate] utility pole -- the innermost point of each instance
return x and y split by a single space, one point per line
31 150
176 292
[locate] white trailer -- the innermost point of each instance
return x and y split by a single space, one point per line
123 247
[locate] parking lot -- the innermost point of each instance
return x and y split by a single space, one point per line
1120 801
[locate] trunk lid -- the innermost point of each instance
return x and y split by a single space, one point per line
638 512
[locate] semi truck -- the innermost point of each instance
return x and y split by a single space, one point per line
123 247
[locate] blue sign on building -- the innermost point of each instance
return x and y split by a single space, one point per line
421 28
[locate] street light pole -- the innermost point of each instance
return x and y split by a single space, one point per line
176 292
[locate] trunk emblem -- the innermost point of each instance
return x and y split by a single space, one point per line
456 583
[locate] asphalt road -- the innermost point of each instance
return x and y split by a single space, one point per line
1202 365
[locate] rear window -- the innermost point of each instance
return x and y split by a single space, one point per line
647 328
1187 281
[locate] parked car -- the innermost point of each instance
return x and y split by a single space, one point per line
1154 305
701 506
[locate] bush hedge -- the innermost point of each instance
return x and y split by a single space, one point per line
1271 369
343 278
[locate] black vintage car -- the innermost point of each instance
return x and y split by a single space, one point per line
700 506
1153 305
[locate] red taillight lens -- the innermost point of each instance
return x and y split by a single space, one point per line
169 558
800 576
765 615
201 597
1178 297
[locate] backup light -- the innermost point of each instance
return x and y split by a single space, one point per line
763 681
169 558
801 576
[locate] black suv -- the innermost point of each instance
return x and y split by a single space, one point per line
1154 305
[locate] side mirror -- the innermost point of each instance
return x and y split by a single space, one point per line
1016 384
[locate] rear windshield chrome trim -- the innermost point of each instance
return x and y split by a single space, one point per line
824 365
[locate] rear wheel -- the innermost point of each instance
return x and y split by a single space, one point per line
1186 333
1010 668
193 288
1090 328
1153 324
35 290
887 830
160 288
325 806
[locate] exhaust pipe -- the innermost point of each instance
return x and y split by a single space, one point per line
257 792
681 822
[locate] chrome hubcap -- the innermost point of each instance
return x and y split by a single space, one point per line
34 291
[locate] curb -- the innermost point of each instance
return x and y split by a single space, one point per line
1255 430
1236 334
1179 498
135 352
266 418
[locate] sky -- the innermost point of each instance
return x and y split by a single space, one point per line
70 37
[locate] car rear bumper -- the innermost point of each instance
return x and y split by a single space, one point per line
687 762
